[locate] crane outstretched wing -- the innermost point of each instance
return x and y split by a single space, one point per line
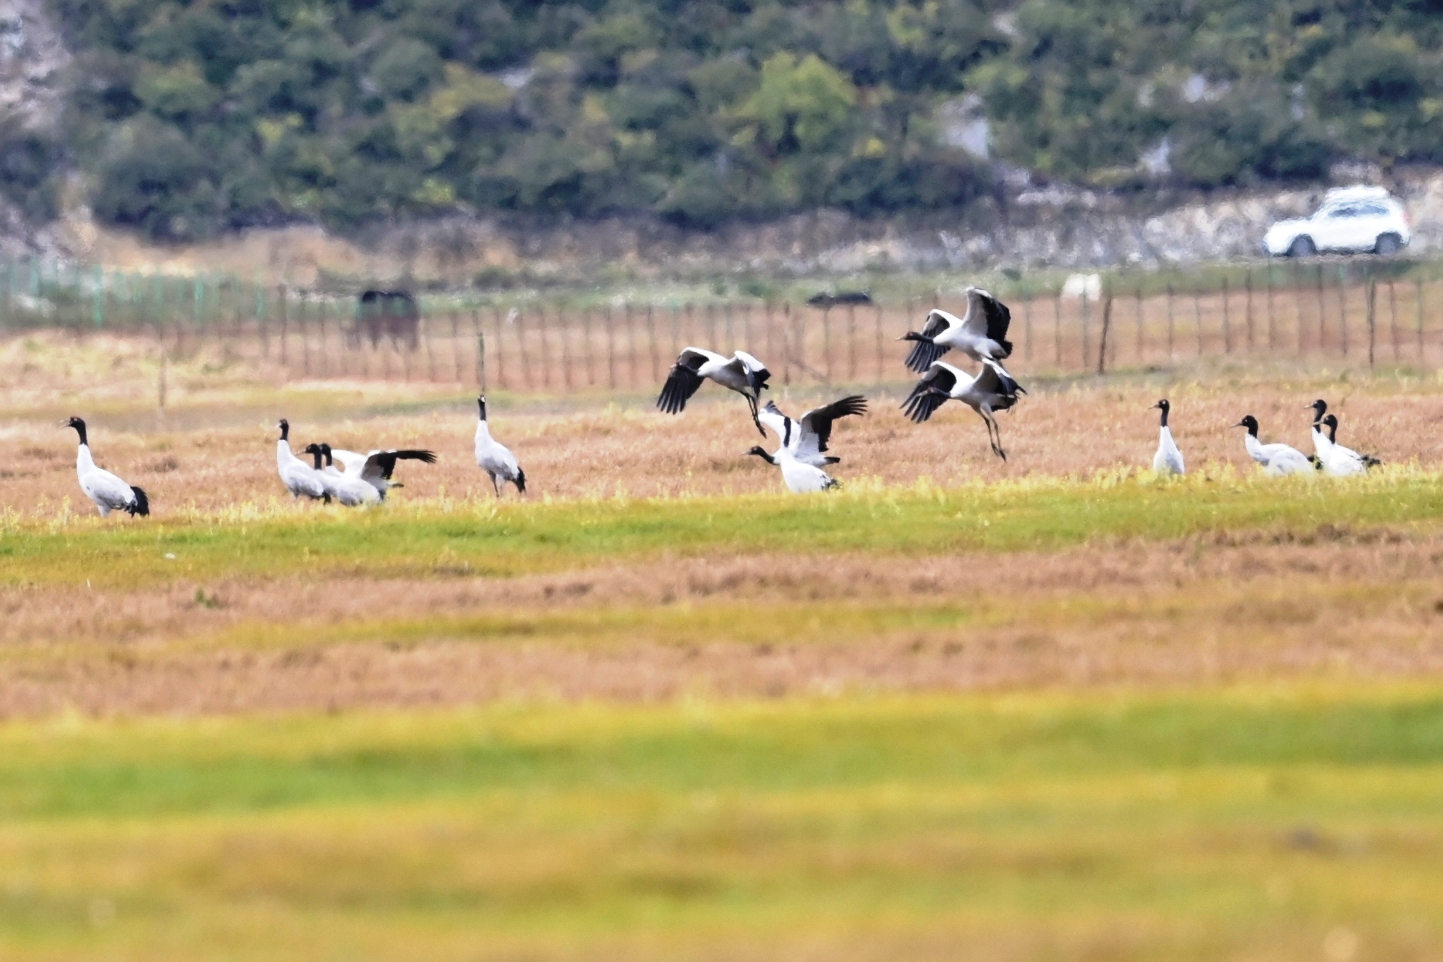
988 317
925 353
682 382
817 423
380 464
930 393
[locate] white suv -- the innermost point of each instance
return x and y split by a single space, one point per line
1352 220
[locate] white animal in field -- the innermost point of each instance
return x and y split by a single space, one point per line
1342 461
495 458
1276 459
981 333
741 373
992 389
806 438
108 492
298 476
799 477
1321 444
1168 459
375 467
352 492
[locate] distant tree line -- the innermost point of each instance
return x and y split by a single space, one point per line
191 118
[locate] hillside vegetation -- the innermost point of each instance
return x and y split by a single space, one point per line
191 118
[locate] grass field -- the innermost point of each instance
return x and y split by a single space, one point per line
1042 710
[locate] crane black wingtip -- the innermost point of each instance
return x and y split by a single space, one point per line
142 503
924 355
520 480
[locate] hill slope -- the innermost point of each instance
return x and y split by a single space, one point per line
188 119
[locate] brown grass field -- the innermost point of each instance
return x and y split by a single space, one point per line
1132 740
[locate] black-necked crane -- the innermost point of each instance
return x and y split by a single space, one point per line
1168 459
298 476
741 373
806 437
1276 459
799 476
981 333
1342 461
991 389
351 492
375 467
495 458
107 491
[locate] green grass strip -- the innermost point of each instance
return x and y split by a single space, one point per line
515 538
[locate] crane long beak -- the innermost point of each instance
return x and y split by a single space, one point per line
1239 425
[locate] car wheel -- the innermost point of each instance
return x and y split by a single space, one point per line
1388 244
1302 247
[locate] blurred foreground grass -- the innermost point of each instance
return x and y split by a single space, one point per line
1262 823
448 537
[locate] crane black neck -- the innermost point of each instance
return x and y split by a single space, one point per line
1164 408
79 427
481 403
762 453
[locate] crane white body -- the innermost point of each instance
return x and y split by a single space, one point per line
106 491
981 333
495 458
1168 459
741 373
349 491
375 467
799 477
299 477
1341 461
806 438
991 389
1276 460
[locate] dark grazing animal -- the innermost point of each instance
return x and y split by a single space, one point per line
392 314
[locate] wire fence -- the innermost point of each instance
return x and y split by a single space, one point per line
1334 310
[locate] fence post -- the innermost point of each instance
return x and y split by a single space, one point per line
1137 310
1106 323
1086 307
851 342
499 327
611 348
1171 325
456 341
1393 318
787 346
1057 329
586 345
283 315
541 329
827 342
877 325
1197 318
1343 308
1248 306
520 318
1372 297
264 329
1227 321
1322 310
651 338
1419 305
1268 273
633 347
1026 330
302 315
97 307
480 351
